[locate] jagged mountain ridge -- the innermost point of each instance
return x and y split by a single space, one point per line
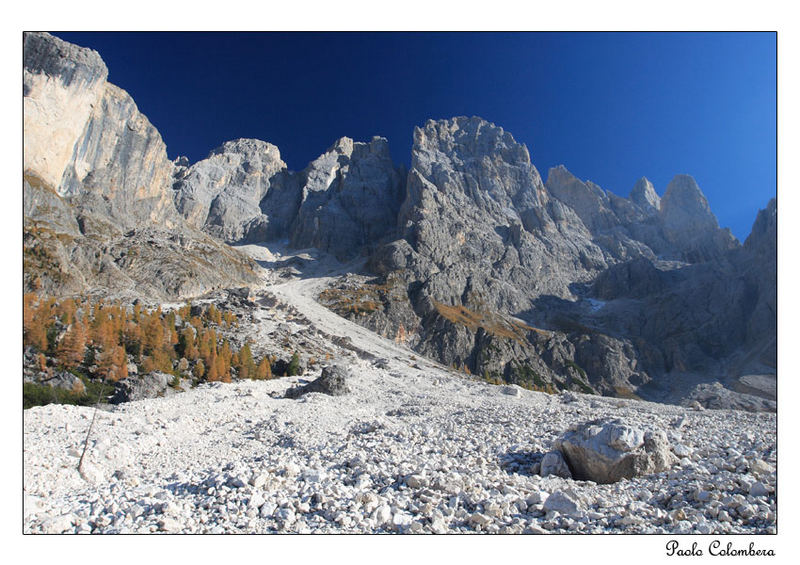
467 239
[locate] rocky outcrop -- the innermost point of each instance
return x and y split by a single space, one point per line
222 194
151 385
644 195
86 139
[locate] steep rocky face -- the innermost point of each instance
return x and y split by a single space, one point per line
97 189
86 138
689 225
222 194
61 84
350 198
644 195
482 229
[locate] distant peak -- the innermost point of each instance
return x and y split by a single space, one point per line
644 194
683 192
247 146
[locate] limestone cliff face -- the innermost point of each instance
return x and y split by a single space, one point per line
99 214
222 194
61 85
87 139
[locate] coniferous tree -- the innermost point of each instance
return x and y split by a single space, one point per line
72 347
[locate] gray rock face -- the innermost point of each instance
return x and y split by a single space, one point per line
86 139
483 238
222 194
350 198
333 382
644 195
481 224
689 224
607 450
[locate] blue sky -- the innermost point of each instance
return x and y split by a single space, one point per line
611 107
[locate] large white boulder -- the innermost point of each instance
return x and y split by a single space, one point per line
607 450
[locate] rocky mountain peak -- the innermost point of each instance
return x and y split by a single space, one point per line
689 224
764 233
644 195
684 197
249 148
588 200
465 138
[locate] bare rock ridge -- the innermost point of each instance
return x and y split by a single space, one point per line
473 259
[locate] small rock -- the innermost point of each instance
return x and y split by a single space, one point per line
383 514
479 519
561 502
760 467
758 489
681 450
58 524
169 525
259 480
415 481
438 526
401 520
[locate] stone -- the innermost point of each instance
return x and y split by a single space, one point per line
401 520
758 489
438 526
333 382
169 525
607 450
383 514
511 390
681 450
151 385
479 519
58 524
553 463
760 467
562 502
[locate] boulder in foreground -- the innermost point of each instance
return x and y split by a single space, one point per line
607 450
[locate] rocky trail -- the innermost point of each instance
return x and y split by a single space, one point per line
413 447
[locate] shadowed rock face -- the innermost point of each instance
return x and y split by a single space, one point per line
350 198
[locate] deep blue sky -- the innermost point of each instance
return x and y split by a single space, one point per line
611 107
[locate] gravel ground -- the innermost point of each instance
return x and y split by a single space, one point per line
413 448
